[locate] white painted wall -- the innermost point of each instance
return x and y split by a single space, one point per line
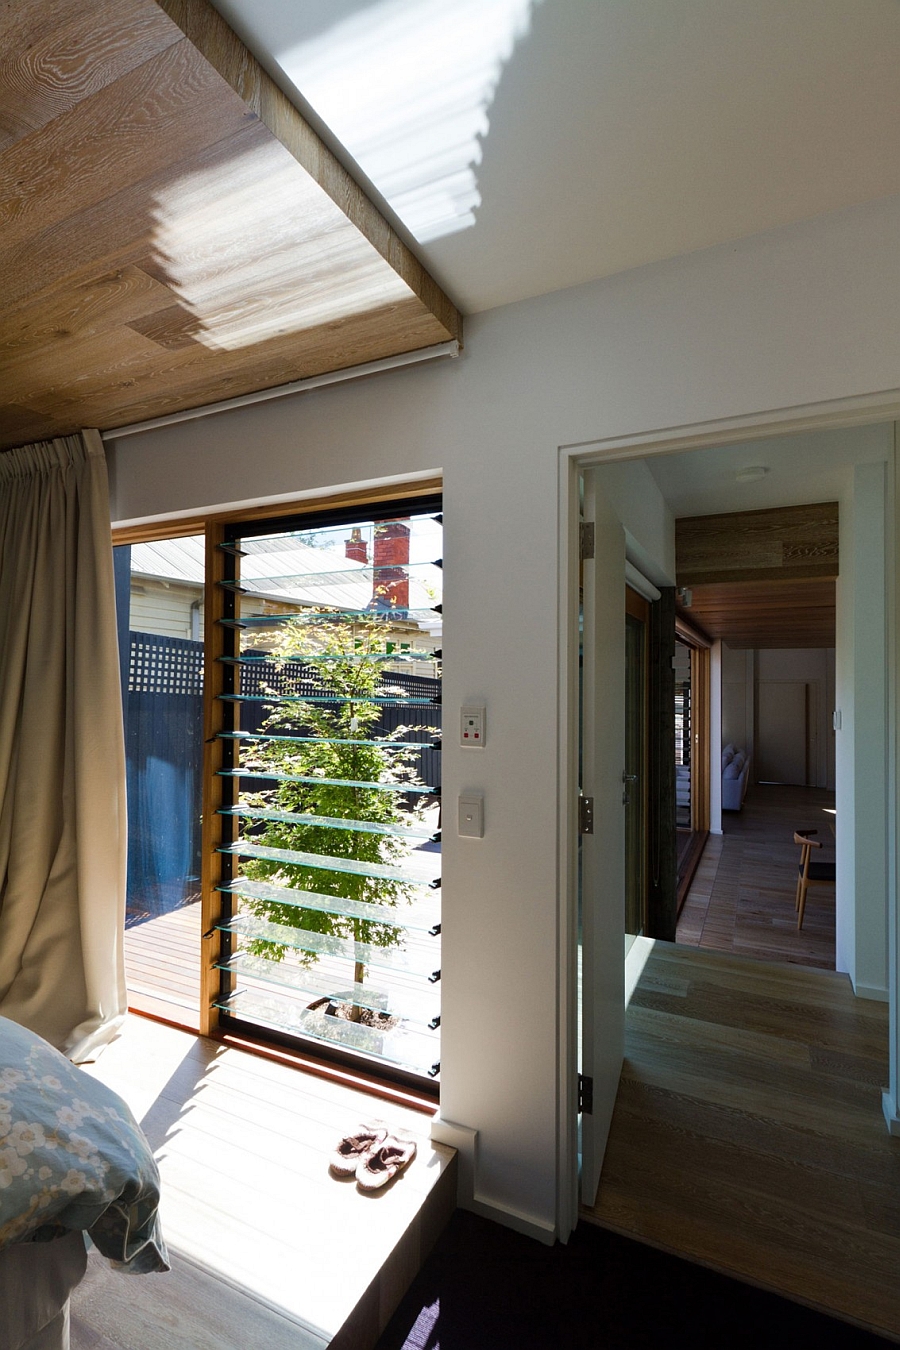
870 731
861 694
716 737
737 698
845 791
792 317
813 666
649 525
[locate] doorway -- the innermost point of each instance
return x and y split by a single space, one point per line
860 463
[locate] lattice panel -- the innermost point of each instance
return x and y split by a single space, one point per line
165 665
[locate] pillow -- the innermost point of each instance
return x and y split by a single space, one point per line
731 770
72 1157
739 760
729 748
727 756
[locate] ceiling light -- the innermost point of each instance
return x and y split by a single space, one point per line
751 473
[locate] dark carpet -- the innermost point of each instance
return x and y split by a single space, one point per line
484 1287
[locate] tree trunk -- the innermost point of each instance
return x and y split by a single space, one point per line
359 975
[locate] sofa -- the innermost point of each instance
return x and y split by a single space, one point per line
735 776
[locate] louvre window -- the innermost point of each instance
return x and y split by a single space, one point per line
326 766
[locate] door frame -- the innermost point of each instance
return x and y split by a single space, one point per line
638 608
856 410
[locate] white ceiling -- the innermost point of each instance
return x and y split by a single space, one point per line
812 466
530 145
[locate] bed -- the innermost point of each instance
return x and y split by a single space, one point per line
73 1162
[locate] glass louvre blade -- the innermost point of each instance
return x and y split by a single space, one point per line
420 918
324 861
315 984
337 575
381 591
396 658
409 1049
248 927
411 615
329 822
326 782
278 543
386 700
325 740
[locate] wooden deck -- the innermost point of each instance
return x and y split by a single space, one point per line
748 1133
741 899
162 965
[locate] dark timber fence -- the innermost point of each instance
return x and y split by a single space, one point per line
164 749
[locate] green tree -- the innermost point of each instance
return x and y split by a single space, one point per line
346 659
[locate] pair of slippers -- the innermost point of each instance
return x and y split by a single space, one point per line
373 1155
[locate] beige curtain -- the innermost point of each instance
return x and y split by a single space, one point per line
62 759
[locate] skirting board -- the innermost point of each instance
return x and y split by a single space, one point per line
465 1140
512 1218
872 991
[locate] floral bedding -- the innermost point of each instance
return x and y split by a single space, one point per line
72 1156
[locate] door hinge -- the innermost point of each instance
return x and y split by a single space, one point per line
585 1095
586 541
585 815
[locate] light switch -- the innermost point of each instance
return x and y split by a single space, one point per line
471 726
471 816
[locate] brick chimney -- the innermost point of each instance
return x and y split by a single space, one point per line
356 547
390 581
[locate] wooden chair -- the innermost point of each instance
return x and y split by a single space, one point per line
811 873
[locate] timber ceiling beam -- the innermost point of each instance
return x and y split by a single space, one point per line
784 543
222 48
173 231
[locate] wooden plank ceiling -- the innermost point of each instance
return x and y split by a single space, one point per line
172 232
766 613
762 578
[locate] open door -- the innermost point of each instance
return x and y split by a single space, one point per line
602 838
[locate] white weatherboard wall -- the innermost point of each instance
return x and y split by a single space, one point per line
793 317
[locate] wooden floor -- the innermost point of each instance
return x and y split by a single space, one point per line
742 897
748 1133
268 1249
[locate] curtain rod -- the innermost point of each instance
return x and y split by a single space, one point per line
638 582
282 390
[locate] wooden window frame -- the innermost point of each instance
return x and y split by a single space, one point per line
407 1089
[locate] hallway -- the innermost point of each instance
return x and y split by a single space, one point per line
742 897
